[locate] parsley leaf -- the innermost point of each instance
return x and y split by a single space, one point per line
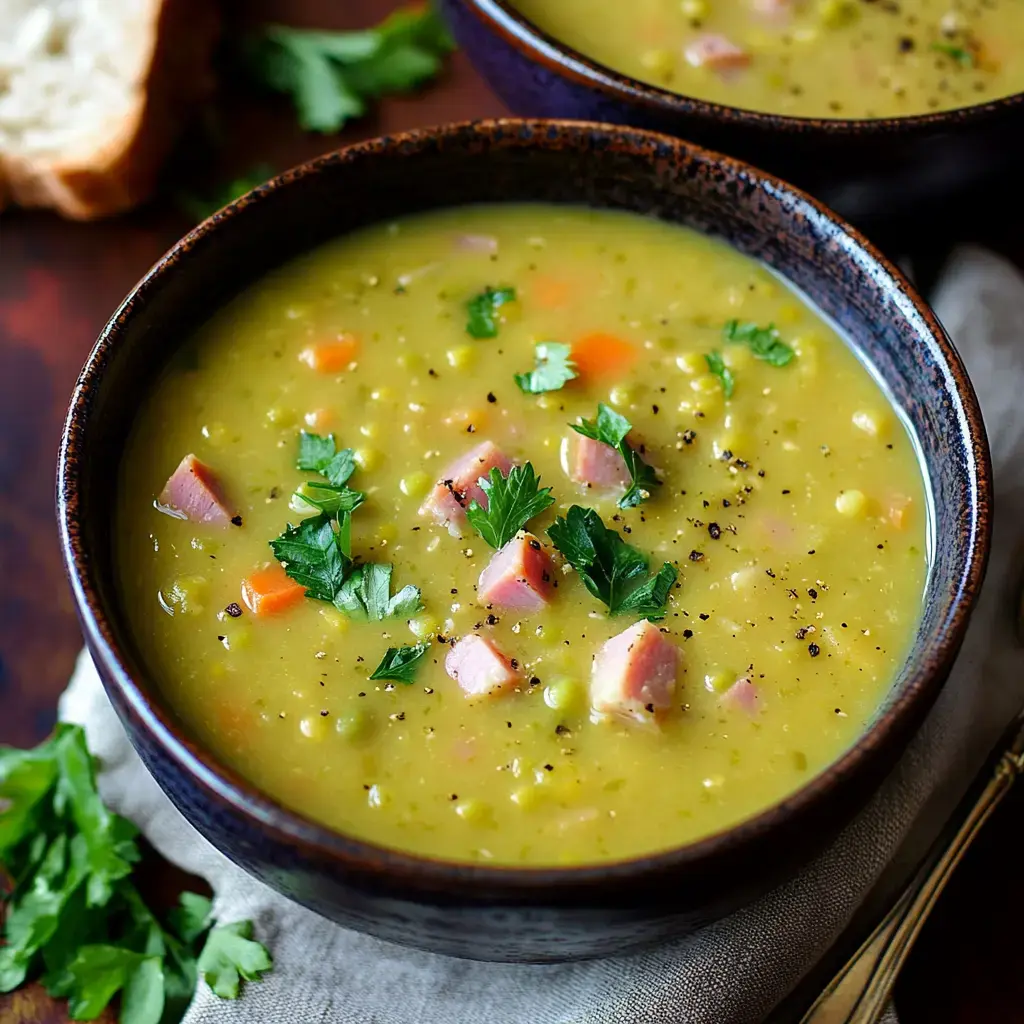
366 595
313 555
400 663
717 366
512 501
483 309
332 76
229 955
329 500
321 455
554 369
199 207
611 428
612 570
963 56
74 916
764 342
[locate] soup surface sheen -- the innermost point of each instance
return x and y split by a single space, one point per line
806 58
794 513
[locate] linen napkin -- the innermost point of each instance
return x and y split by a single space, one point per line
732 972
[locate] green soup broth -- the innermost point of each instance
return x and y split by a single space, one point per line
807 58
793 511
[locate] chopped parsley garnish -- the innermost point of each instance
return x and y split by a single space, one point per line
512 501
333 76
482 311
764 342
316 555
321 455
963 56
318 552
717 366
554 369
611 428
75 918
400 663
366 595
612 570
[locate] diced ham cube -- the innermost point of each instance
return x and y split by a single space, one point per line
458 485
520 576
479 667
590 462
743 695
634 674
193 489
716 52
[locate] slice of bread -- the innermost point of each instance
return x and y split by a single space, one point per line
93 94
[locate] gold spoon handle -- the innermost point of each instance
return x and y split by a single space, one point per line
859 993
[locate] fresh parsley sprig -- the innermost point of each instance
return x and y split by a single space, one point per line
963 56
716 365
482 311
318 552
512 501
612 570
765 342
400 663
611 428
75 917
332 77
553 369
321 455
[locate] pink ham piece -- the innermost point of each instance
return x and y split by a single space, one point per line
477 243
634 674
743 696
716 52
479 667
590 462
458 485
193 489
520 576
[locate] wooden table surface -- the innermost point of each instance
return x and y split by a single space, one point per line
58 284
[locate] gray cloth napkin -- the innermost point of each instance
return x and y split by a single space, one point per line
732 972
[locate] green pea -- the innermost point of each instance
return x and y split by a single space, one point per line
564 694
355 725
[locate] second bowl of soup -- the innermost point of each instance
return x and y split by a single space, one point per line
880 109
511 561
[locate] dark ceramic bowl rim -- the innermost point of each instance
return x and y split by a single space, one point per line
476 879
538 46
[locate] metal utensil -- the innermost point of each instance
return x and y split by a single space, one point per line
860 991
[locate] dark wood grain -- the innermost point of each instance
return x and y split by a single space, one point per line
58 284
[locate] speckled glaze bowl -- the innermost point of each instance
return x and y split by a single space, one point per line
486 912
870 171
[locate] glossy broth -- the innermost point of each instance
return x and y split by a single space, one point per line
794 511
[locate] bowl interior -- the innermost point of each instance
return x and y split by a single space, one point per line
601 166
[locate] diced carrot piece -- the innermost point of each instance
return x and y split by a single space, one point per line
549 292
271 590
899 511
320 418
602 355
232 719
331 356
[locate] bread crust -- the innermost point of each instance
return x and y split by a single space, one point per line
122 170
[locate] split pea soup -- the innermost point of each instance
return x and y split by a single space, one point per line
522 534
806 58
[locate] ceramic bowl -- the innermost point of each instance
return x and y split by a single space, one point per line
870 171
479 911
